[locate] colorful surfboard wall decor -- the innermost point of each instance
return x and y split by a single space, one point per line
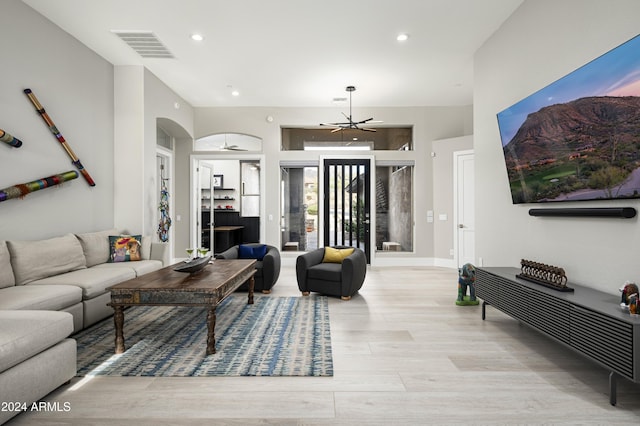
9 139
19 191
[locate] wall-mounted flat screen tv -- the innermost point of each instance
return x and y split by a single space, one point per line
579 137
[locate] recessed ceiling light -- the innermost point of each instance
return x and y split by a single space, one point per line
402 37
197 37
235 93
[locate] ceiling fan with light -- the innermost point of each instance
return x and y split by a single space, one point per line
227 147
350 124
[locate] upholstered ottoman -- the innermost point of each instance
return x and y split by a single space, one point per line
36 356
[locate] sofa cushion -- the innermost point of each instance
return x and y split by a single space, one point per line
326 272
257 251
139 268
125 248
145 250
95 246
33 260
27 333
93 281
53 297
6 273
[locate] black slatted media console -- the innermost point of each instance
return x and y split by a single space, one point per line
588 321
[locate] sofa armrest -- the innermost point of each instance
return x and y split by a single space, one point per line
304 262
271 266
230 253
354 270
160 251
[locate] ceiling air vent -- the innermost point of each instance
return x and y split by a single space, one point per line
145 43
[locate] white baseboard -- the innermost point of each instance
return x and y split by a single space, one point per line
444 263
387 261
289 259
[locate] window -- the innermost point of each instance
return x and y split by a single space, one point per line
163 139
394 207
383 139
250 188
228 142
299 208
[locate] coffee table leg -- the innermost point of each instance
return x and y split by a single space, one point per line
211 326
252 284
118 320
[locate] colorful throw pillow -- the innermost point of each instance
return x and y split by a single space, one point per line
124 248
252 252
334 255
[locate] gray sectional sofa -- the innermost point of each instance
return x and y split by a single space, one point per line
50 289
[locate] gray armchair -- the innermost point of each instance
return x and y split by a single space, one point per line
334 279
267 269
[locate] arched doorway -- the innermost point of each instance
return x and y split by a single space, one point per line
168 134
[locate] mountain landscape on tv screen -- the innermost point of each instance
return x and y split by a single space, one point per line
588 148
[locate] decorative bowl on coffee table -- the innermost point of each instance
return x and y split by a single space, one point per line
193 265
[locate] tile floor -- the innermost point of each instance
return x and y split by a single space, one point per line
404 354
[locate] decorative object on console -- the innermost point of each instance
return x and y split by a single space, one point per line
467 279
10 140
629 300
74 159
633 305
546 275
124 248
627 291
26 188
619 212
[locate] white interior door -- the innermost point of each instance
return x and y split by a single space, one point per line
464 207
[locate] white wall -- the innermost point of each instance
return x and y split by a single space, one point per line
443 194
140 100
128 149
108 116
430 123
75 86
161 102
543 41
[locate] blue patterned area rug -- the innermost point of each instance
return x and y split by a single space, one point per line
276 336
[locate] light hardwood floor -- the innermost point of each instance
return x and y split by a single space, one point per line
404 354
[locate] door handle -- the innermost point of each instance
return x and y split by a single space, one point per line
460 226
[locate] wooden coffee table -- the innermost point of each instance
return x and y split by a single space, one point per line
166 287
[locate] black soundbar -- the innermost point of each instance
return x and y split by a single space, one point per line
621 212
